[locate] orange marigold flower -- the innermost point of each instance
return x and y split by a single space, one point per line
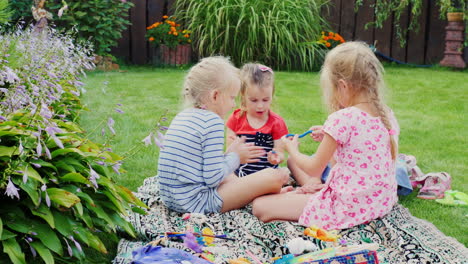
170 32
151 39
165 17
328 44
186 35
175 33
173 29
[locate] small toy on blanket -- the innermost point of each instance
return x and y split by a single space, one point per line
364 254
322 234
157 254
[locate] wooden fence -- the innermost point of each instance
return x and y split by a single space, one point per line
424 47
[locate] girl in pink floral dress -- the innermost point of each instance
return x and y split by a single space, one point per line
359 137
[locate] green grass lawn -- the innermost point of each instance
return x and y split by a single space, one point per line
430 104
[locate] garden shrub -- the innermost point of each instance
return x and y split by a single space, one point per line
56 186
278 33
101 22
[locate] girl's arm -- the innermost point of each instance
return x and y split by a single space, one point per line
311 165
230 137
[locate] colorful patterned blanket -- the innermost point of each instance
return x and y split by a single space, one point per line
402 237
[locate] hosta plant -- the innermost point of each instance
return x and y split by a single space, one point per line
56 186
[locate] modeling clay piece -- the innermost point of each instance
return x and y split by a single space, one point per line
322 234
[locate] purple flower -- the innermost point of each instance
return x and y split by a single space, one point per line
93 177
110 124
119 111
44 189
101 163
70 251
20 148
147 140
47 152
77 245
25 176
11 189
45 112
116 167
36 165
103 132
158 142
58 142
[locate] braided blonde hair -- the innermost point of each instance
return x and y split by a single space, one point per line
211 73
355 63
255 74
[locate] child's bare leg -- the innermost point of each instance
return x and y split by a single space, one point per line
238 192
284 206
301 176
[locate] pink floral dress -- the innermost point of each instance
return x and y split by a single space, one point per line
362 184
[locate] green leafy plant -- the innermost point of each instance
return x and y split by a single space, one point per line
278 33
57 187
167 32
101 22
5 12
385 8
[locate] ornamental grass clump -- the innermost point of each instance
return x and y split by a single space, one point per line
56 186
167 32
278 33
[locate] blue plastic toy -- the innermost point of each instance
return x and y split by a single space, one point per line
301 135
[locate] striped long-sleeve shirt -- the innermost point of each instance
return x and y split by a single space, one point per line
193 164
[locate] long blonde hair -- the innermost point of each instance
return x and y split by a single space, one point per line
211 73
255 74
355 63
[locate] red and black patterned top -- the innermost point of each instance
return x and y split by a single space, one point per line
274 129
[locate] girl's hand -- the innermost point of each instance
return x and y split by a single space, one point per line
291 144
275 157
247 152
310 188
317 133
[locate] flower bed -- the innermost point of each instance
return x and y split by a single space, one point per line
56 186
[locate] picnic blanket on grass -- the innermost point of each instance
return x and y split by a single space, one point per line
402 237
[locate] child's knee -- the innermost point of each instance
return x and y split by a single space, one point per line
259 210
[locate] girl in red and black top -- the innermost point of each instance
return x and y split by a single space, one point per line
255 121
